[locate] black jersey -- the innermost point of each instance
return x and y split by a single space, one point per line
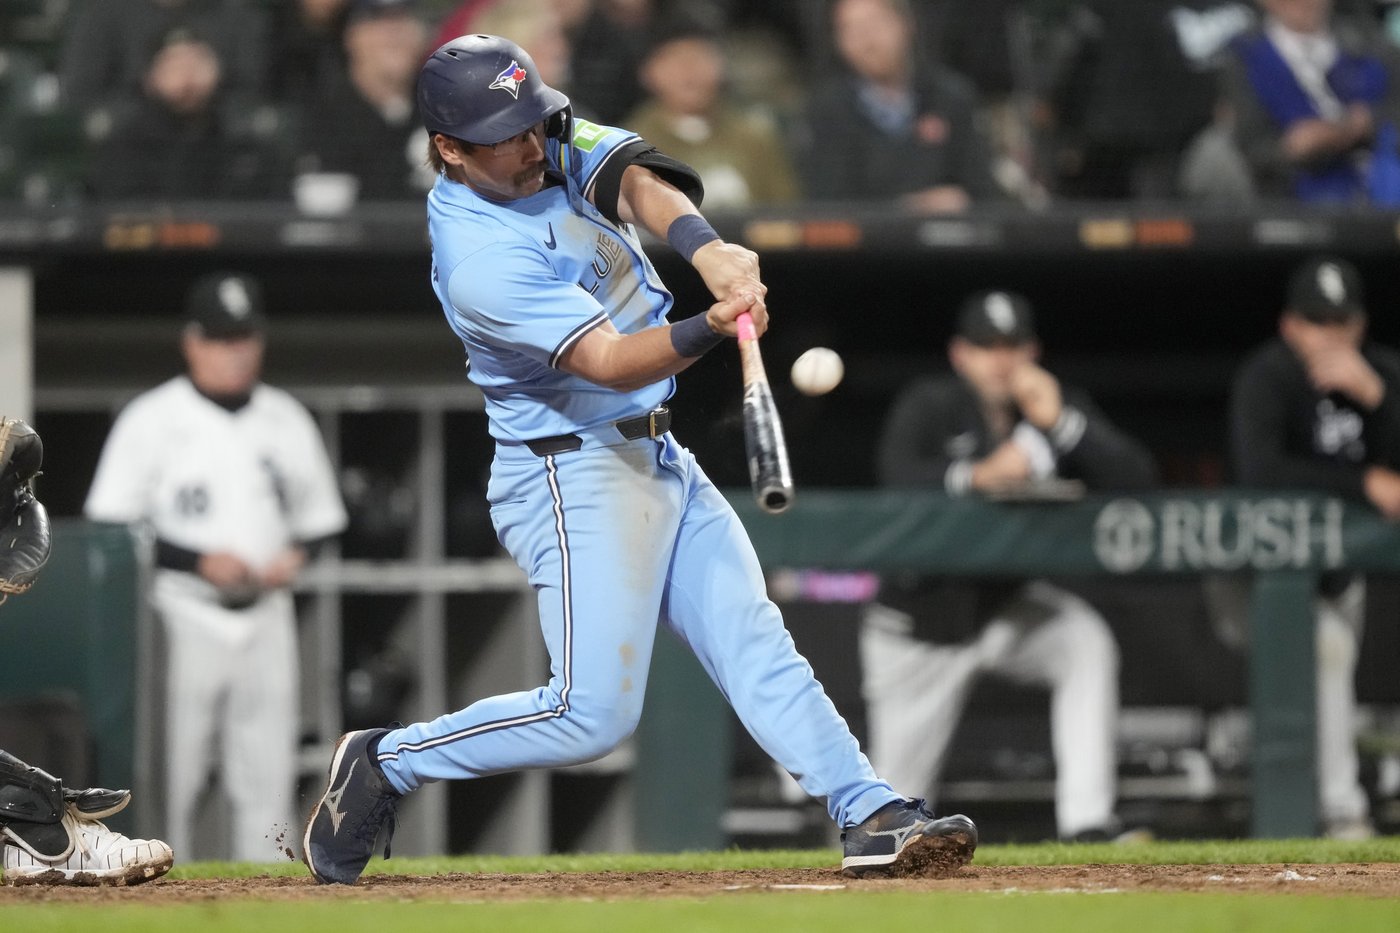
934 433
1284 433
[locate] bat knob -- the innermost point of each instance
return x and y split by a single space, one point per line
774 501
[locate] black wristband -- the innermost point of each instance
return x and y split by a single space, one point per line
174 557
688 233
693 336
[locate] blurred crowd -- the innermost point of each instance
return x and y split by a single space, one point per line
934 105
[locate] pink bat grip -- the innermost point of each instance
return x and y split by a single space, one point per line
745 324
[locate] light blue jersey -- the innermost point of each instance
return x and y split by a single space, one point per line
615 535
522 281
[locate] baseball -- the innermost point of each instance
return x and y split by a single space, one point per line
817 371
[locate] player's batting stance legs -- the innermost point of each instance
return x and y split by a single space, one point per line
614 538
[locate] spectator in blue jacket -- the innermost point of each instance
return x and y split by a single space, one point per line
1311 93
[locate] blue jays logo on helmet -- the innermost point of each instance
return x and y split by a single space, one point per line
510 79
457 91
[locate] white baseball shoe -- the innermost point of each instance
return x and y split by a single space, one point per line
96 856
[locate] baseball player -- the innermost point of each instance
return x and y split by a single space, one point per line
233 479
538 265
1316 408
51 834
999 423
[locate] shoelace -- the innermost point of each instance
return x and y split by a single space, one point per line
71 821
376 819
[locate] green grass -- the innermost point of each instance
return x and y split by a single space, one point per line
1210 852
773 913
861 909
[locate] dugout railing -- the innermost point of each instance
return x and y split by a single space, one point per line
1282 539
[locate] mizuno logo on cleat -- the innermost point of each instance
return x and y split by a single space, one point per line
900 834
333 798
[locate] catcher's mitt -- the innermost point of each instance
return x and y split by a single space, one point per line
25 538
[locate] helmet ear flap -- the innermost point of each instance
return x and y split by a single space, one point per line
554 125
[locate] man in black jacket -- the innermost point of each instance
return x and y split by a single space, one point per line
364 121
179 140
1316 408
890 127
1000 425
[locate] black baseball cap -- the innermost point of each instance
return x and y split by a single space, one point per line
995 317
1326 290
226 306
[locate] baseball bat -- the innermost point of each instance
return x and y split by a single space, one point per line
769 471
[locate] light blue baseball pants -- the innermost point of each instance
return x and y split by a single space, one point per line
614 538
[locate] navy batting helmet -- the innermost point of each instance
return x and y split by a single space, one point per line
485 89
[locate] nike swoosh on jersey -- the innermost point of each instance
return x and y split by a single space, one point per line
551 243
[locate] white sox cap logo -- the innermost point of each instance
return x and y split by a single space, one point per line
233 295
1329 282
1000 312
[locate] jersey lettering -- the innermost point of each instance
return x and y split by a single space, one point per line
607 252
1338 431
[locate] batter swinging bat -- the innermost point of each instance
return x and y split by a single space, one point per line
769 470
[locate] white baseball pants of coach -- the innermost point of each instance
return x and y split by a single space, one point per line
1340 624
232 698
915 693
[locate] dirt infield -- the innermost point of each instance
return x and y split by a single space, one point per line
1363 880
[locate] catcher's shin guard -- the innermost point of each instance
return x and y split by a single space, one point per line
25 537
21 454
31 808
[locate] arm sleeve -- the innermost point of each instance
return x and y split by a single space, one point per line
1091 448
912 452
607 186
603 153
172 556
1258 431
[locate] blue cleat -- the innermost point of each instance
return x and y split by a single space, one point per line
345 823
904 838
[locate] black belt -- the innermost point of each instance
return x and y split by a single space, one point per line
653 424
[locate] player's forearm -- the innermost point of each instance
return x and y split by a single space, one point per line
625 361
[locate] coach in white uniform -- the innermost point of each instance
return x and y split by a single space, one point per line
233 478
